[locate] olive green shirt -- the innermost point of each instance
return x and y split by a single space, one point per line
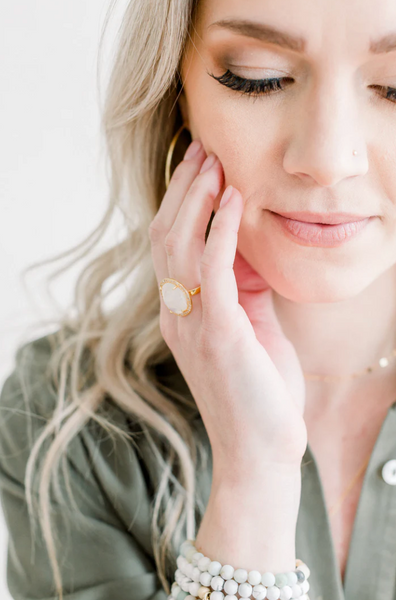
107 552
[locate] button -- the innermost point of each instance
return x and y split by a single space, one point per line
389 472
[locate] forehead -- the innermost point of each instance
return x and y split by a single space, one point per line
336 25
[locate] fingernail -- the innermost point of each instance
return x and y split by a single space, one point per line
209 162
192 150
226 196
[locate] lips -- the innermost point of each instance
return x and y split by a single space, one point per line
314 233
323 218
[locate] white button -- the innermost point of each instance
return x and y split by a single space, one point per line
389 472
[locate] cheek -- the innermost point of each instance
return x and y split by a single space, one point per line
385 165
246 135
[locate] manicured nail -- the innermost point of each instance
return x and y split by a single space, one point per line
192 150
209 162
226 196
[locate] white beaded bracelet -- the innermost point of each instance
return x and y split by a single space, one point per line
197 576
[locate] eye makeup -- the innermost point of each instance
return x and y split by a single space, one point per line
264 60
252 87
264 87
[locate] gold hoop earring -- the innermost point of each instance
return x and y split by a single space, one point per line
169 155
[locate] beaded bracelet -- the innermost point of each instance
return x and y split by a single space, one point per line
196 572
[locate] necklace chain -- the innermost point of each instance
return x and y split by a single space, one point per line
335 507
380 364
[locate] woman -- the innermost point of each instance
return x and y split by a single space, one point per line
259 417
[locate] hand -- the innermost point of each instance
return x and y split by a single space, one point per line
249 410
255 297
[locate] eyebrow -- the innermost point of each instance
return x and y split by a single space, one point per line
262 32
266 33
385 44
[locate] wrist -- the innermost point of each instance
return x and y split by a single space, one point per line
256 474
257 491
252 524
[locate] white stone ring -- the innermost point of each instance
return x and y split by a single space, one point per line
176 297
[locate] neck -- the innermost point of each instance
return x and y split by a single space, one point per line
342 338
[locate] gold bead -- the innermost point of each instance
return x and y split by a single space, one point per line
202 591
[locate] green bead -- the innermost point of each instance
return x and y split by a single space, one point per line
181 595
190 553
186 545
281 579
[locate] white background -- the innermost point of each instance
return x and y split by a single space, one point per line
53 190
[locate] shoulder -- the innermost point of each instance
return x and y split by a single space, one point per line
98 457
30 390
29 379
103 475
27 400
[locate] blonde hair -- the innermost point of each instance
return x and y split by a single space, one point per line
139 119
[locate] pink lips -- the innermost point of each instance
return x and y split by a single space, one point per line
322 229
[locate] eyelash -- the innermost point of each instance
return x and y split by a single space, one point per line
263 87
251 87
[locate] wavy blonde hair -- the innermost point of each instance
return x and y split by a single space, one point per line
139 118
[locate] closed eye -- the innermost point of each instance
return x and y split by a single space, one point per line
387 92
261 87
252 87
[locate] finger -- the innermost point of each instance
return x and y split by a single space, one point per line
219 291
180 182
185 242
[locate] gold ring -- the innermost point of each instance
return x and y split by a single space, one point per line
176 297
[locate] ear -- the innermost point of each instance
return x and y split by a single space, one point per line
184 108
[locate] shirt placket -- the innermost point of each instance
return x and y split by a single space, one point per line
314 542
371 568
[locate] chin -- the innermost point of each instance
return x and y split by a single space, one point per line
324 288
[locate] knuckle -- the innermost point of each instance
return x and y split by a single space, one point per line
216 226
208 343
155 231
185 339
172 242
207 265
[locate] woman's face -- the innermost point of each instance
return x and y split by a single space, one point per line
292 148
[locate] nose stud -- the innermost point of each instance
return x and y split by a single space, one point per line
355 153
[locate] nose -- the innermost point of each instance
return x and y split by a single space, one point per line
327 144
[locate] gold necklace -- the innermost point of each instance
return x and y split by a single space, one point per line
380 364
335 507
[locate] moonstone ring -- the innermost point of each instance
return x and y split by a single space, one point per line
176 297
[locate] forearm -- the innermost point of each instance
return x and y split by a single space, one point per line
250 520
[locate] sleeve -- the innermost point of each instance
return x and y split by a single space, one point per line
103 549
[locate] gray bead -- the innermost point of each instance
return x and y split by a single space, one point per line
300 576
